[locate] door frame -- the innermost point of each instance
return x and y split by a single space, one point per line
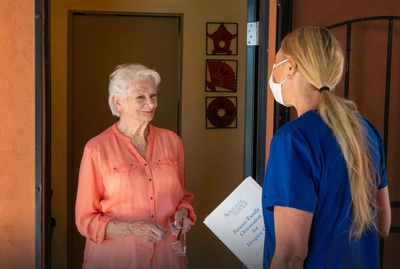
256 93
263 116
71 176
42 136
255 127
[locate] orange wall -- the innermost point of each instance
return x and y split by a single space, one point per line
324 13
17 149
368 63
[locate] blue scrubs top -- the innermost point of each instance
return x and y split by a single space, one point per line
306 170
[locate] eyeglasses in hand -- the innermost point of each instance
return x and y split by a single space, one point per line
180 244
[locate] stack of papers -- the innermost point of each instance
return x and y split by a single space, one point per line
238 223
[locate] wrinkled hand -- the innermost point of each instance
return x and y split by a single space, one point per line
182 222
148 231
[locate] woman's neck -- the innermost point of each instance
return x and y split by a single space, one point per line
137 133
306 99
306 105
133 130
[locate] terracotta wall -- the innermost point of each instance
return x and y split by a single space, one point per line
368 61
314 12
17 151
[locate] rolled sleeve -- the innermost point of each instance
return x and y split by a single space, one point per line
192 216
90 221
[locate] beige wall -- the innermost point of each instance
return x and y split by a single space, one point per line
214 158
17 132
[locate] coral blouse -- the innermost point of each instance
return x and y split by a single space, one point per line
116 182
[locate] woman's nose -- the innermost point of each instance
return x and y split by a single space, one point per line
151 102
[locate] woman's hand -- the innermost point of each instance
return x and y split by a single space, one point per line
147 231
182 222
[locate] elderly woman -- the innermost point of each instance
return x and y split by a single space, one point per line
131 198
325 193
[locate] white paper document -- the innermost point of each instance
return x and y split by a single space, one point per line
238 223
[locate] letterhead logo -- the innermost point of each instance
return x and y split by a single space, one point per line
236 208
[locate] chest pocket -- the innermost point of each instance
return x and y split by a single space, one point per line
168 168
124 168
121 180
168 162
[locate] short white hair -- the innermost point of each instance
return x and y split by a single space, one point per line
122 78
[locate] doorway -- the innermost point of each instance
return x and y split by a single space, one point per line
98 42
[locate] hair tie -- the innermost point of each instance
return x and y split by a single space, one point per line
324 88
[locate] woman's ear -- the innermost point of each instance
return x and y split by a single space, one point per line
117 103
292 67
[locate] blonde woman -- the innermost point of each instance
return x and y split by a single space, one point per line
325 193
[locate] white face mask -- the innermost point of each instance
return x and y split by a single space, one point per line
276 88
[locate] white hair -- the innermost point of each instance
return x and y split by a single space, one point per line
122 78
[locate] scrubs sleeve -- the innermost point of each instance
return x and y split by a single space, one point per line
290 179
188 197
382 166
377 151
90 221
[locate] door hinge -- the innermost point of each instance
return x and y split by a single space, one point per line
252 33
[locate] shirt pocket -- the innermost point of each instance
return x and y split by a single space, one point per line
167 162
121 179
124 168
167 178
168 169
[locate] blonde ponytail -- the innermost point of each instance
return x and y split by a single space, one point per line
340 115
320 60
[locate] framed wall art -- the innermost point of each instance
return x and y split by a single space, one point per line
221 75
222 38
221 112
